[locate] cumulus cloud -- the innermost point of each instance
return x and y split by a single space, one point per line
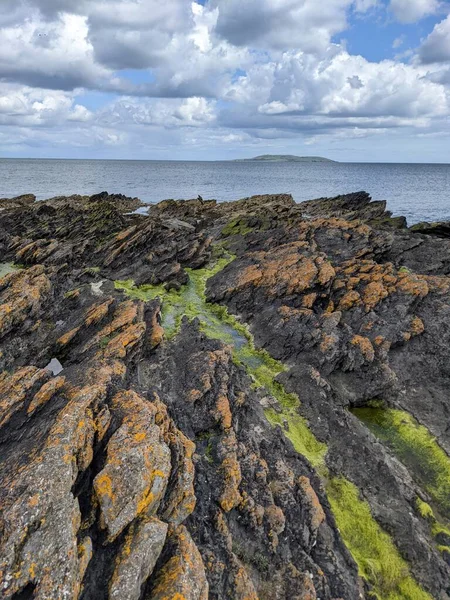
190 112
281 24
25 106
410 11
226 72
56 55
436 47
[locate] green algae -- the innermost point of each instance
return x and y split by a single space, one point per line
416 448
438 528
217 323
6 268
378 560
294 425
237 226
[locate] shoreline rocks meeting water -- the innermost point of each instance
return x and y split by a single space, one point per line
250 400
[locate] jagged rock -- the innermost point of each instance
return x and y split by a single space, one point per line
137 558
222 456
439 229
183 575
17 202
134 478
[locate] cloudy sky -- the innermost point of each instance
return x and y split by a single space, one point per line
351 80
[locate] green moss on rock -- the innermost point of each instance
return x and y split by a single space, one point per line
375 553
378 560
416 448
6 268
237 226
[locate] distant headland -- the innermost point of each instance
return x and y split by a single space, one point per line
284 158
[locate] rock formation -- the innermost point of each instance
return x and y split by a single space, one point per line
226 401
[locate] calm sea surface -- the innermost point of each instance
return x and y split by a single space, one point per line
417 191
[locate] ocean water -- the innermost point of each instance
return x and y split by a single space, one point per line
420 192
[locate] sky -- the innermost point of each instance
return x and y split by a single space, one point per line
351 80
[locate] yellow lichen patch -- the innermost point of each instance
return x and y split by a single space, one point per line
414 285
97 312
223 411
373 293
243 586
23 296
104 485
365 346
348 300
156 331
68 337
276 522
287 312
183 576
134 478
231 473
15 388
47 391
308 300
309 497
417 326
283 267
119 346
125 315
328 342
85 552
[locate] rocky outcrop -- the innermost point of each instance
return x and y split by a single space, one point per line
242 401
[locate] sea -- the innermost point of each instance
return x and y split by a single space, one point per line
420 192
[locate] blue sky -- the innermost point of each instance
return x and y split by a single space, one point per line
349 79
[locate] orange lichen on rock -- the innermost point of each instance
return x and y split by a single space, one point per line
276 522
231 473
414 285
284 269
365 346
308 300
243 588
52 506
97 312
417 326
373 294
23 293
47 391
183 576
156 335
66 338
134 478
127 313
137 558
312 503
15 388
120 345
328 342
223 411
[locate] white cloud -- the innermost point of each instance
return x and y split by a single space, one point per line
50 55
227 72
170 113
436 47
410 11
281 24
25 106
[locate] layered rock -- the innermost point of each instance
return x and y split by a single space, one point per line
224 430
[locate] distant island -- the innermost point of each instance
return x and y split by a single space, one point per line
284 158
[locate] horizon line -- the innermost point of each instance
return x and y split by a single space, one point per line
230 160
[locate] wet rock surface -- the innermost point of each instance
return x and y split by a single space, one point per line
250 400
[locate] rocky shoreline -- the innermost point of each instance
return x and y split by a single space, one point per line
251 400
